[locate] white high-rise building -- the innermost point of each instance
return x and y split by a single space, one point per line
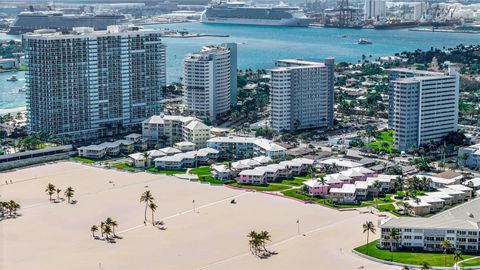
89 84
423 105
301 95
419 10
210 81
375 9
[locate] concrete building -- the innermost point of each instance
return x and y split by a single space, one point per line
169 129
459 225
423 105
210 81
302 95
472 155
375 9
89 84
244 147
419 10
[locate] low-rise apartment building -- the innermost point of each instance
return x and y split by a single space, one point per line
459 225
246 147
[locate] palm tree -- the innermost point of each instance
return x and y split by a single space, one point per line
376 185
50 190
368 228
264 238
146 155
94 229
112 223
58 193
102 228
107 230
152 207
425 266
147 198
254 242
406 268
69 192
446 245
457 256
393 235
14 206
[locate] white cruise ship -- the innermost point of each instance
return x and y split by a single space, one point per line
241 13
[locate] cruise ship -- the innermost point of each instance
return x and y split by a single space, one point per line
30 21
241 13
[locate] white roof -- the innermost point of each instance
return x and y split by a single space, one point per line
92 147
137 156
314 183
362 170
197 125
336 178
251 172
156 153
170 150
160 119
345 189
465 216
475 182
268 145
262 159
430 199
341 162
351 173
220 168
206 151
459 187
184 143
262 143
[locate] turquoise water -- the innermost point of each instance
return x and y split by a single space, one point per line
259 46
10 98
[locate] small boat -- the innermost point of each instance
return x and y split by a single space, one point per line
22 90
364 41
12 79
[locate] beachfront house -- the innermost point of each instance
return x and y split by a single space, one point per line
246 147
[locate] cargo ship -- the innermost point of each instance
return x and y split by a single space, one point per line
394 24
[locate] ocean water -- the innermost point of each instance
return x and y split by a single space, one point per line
260 46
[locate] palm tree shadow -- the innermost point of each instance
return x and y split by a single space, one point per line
267 254
162 228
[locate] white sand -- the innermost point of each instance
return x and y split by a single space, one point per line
57 236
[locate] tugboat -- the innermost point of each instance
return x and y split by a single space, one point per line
12 79
363 41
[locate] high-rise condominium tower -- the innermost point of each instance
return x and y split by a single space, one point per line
301 96
210 81
89 84
423 106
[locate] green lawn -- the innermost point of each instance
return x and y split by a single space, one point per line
297 181
168 172
270 187
474 262
204 174
84 160
414 258
124 166
297 194
386 137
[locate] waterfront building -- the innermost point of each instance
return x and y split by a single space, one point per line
423 105
244 147
469 156
302 95
210 81
190 159
89 84
375 9
169 129
459 225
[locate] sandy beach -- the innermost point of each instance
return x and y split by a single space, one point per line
57 236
